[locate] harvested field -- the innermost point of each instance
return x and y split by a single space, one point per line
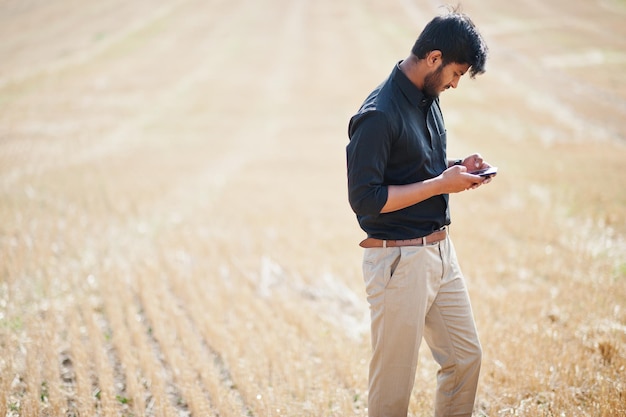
175 236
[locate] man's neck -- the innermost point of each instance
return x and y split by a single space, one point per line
414 70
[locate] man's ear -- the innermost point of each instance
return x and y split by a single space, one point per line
434 58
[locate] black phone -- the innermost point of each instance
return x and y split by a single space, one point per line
487 172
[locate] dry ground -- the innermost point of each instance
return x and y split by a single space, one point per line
175 237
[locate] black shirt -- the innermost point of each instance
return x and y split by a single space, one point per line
397 137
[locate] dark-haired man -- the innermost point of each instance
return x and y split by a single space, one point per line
399 178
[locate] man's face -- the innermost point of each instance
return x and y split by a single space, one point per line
443 78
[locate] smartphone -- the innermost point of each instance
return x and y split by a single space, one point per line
487 172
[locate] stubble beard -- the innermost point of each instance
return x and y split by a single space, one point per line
432 83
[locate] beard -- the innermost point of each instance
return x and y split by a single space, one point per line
432 83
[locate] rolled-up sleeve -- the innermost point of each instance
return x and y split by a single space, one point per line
367 154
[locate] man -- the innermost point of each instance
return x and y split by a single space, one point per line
399 179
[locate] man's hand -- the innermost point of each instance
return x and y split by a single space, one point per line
456 179
475 162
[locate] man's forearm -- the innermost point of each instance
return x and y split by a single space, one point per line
402 196
453 180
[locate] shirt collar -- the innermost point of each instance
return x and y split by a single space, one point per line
410 91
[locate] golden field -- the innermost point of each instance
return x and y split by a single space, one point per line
175 237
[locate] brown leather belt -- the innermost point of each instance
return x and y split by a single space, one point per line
434 237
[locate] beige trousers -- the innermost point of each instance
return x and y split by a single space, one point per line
415 292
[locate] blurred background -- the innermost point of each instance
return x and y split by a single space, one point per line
175 236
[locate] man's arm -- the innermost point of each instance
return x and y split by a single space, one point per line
453 180
367 153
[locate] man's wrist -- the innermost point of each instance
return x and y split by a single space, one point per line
456 162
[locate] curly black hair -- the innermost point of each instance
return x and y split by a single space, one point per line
458 39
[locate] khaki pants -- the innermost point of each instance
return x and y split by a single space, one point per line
415 292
